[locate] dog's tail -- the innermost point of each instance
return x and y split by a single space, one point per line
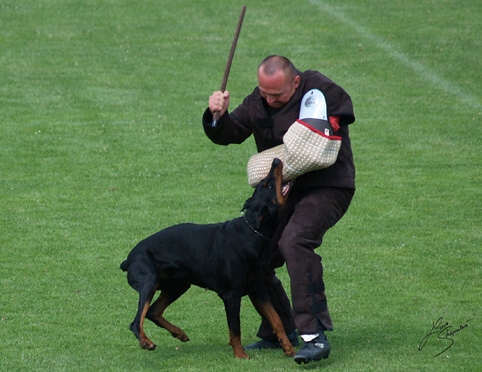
124 266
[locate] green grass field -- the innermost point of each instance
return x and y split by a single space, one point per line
101 145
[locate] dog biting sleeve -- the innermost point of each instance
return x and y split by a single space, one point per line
304 149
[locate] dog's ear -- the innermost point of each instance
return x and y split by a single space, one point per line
247 203
262 215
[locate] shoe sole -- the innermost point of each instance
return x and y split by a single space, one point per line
303 360
267 347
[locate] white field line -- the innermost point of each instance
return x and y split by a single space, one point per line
418 67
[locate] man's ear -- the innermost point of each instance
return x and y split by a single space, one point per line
297 81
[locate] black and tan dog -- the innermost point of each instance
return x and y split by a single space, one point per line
228 258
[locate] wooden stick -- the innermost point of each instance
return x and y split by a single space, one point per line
228 63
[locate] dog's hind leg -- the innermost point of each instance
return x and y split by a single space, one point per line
263 306
137 326
167 297
233 306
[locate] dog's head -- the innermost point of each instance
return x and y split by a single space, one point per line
269 196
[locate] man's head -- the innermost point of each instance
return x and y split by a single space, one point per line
278 80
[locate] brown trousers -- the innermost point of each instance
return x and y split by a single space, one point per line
308 214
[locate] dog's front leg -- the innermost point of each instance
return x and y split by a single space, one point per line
233 307
264 307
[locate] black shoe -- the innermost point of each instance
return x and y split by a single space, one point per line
313 351
268 344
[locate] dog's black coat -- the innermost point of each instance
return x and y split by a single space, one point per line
228 258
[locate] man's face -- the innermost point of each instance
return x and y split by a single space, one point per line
277 89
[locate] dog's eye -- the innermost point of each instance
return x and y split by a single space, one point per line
268 185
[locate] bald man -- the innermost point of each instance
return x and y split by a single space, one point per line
316 203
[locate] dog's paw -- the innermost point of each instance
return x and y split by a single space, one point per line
241 355
148 345
180 335
288 349
290 353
